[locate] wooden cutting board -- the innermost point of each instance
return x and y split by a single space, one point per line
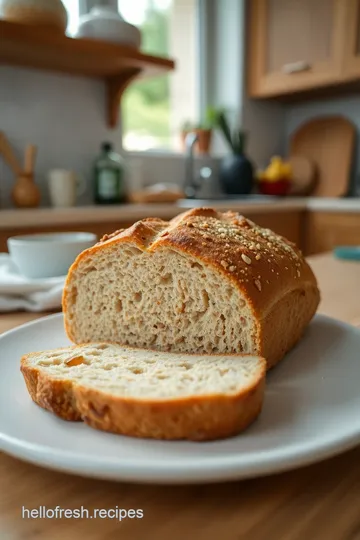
329 143
304 174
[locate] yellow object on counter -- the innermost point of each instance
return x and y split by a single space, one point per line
277 170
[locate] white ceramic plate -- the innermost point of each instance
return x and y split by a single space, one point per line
311 411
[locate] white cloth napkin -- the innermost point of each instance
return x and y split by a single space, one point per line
20 293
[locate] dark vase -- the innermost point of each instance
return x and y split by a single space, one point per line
236 175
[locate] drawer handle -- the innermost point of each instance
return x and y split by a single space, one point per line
296 67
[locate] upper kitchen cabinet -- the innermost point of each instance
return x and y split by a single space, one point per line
352 41
299 46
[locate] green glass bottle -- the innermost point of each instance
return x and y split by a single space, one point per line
109 174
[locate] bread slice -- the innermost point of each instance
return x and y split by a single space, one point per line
205 282
148 394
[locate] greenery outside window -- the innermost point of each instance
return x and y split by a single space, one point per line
153 111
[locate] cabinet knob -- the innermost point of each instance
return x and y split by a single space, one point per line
296 67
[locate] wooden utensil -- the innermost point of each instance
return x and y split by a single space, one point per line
329 143
303 175
8 154
30 156
26 194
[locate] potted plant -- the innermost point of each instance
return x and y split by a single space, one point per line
203 131
236 170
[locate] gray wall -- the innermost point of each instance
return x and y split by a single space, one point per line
64 116
348 106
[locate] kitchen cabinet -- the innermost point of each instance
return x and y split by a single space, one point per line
323 231
298 46
352 43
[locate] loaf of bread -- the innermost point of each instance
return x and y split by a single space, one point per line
205 282
147 393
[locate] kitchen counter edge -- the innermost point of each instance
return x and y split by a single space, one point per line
13 218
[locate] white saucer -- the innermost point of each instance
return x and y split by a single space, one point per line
311 412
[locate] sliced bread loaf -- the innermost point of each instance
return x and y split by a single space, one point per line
206 282
146 393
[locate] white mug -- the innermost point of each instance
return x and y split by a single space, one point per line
64 187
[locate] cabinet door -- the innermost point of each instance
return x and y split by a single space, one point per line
295 45
325 231
352 40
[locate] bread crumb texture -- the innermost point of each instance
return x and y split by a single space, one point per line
147 374
145 393
205 282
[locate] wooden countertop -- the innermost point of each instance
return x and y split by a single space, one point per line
132 212
319 502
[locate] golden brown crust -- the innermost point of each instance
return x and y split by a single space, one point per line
290 312
264 266
194 418
52 394
197 419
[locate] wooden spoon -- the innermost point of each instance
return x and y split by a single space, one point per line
30 156
9 156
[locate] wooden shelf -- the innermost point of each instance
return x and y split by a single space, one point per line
117 65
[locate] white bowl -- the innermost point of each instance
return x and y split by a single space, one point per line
49 254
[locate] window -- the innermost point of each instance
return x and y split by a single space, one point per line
154 110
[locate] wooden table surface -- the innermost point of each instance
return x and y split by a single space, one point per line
321 502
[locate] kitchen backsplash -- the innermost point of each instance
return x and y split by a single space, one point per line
62 115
